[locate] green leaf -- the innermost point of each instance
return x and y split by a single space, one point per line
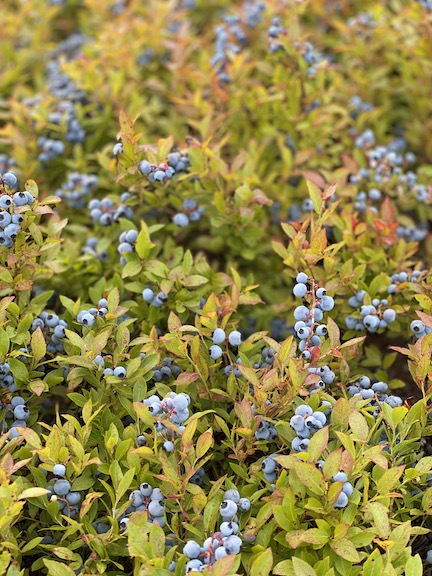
204 443
414 566
38 345
359 425
33 493
374 564
262 564
302 568
157 541
380 514
389 479
318 444
125 483
4 344
345 549
58 568
310 477
316 196
19 370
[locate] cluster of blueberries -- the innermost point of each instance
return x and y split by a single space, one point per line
222 543
118 371
376 393
362 21
156 300
65 113
50 148
16 408
305 423
359 106
127 242
373 316
419 329
310 55
88 317
269 467
11 216
386 163
77 188
60 490
166 370
266 430
268 355
307 328
347 487
230 39
400 277
173 408
361 200
53 329
7 164
90 247
326 376
219 337
67 95
106 212
156 172
276 30
147 499
179 161
191 213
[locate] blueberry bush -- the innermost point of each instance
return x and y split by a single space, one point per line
215 308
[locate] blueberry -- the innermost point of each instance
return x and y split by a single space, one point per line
232 544
88 319
10 179
389 315
302 278
74 498
117 149
218 336
233 495
192 549
120 372
21 412
215 352
244 504
5 201
147 294
62 487
300 290
234 338
146 489
180 219
340 477
228 509
59 470
20 199
144 167
417 327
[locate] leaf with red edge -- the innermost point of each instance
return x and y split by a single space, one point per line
425 318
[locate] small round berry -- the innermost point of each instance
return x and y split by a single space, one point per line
218 336
299 290
59 470
234 338
215 352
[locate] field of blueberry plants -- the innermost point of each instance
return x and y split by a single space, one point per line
215 310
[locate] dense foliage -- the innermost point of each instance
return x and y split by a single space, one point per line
215 311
